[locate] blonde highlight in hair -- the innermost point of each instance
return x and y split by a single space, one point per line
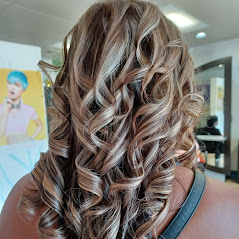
124 101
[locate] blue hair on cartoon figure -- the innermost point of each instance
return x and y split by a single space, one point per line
18 76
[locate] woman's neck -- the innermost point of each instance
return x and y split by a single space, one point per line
16 104
16 101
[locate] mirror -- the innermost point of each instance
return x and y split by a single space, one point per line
213 129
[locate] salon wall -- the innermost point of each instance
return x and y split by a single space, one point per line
19 56
17 160
207 53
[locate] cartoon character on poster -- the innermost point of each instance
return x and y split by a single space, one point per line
21 117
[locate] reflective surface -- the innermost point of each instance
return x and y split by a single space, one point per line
210 128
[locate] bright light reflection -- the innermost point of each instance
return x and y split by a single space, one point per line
201 35
180 20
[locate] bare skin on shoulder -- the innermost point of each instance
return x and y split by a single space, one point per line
216 216
122 153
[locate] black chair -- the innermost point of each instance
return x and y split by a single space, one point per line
209 146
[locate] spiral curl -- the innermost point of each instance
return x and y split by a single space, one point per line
125 101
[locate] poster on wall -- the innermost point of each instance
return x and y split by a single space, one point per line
22 110
220 98
23 126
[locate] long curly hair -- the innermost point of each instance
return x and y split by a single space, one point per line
125 101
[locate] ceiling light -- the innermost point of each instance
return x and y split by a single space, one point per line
220 65
180 20
201 35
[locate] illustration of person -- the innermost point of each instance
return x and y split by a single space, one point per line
15 116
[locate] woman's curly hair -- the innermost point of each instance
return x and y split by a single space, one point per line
125 101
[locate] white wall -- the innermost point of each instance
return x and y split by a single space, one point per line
19 56
215 51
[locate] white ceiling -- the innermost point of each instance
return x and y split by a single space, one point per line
46 22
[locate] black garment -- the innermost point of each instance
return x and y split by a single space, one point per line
212 130
211 146
188 209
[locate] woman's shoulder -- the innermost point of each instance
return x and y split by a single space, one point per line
13 225
216 216
217 213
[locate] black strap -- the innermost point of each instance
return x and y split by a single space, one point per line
187 210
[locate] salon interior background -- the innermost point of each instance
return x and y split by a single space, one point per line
41 26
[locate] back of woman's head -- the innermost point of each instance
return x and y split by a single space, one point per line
211 120
124 103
